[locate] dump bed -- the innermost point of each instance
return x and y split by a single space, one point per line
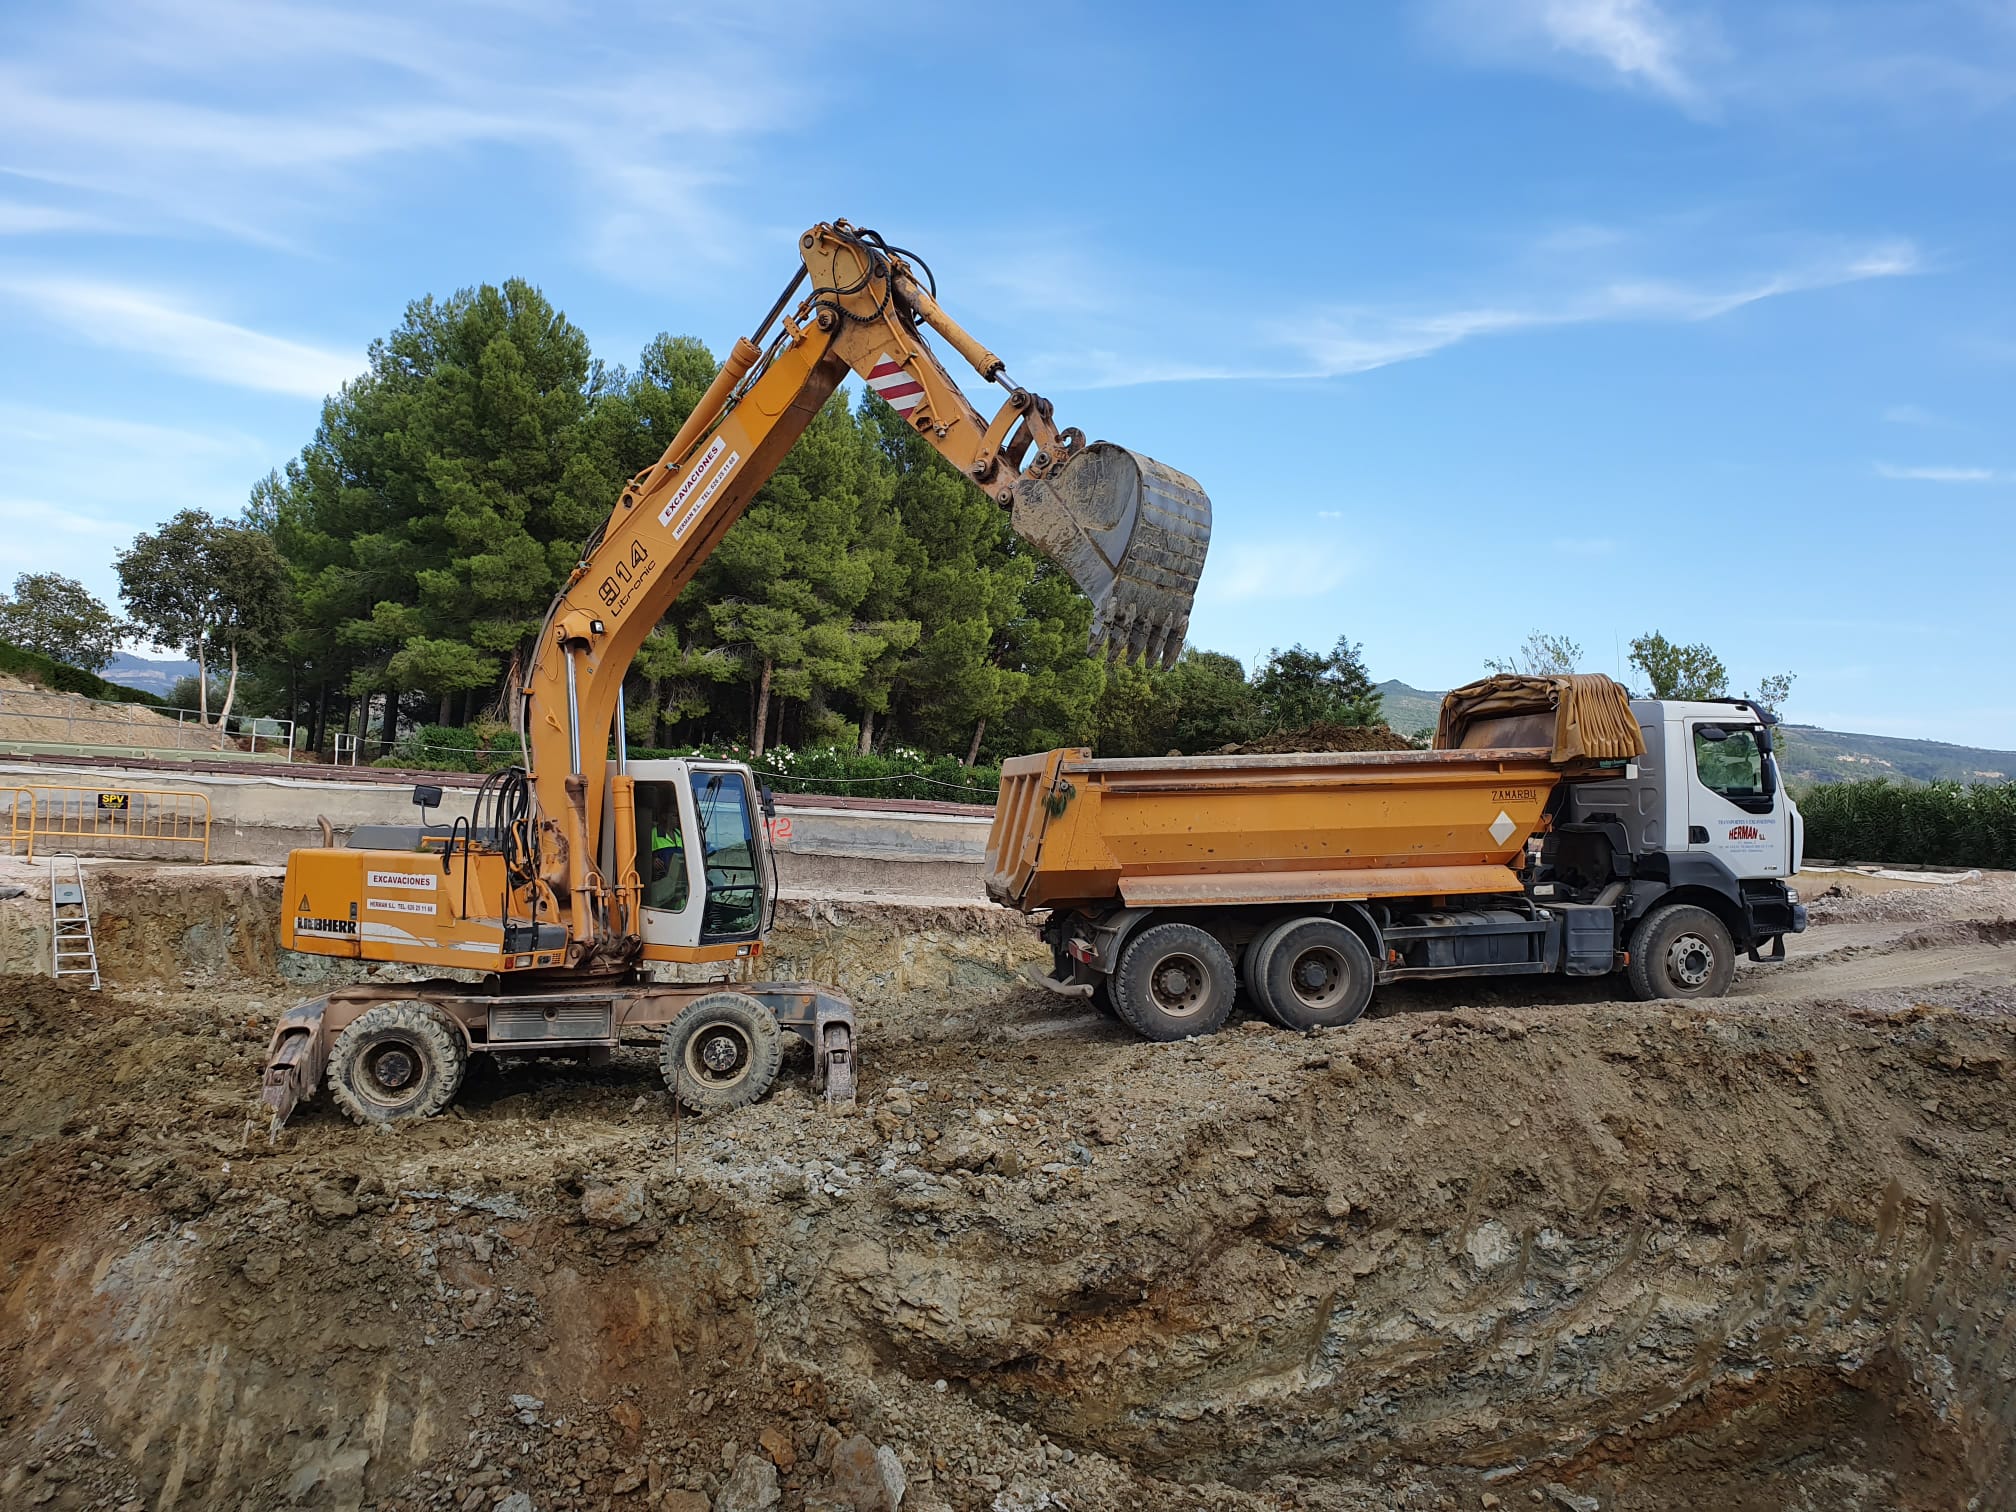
1156 832
1166 831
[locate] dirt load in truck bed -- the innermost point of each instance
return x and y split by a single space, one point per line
1486 1248
1318 737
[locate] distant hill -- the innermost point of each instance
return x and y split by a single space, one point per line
1806 753
156 677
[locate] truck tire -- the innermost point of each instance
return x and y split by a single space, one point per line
398 1060
1250 963
1173 981
1681 951
1313 974
722 1052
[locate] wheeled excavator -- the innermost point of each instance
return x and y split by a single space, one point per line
581 877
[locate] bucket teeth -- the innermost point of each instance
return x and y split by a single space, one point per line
1132 534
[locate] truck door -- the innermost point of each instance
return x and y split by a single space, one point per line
1734 808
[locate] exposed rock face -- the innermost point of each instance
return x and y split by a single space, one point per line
1747 1253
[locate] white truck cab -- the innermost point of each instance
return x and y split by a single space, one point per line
1701 822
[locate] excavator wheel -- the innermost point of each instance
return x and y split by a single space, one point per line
398 1060
722 1052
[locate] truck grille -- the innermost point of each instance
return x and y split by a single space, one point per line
554 1021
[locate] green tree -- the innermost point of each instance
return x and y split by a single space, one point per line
1298 687
1214 703
1541 655
60 618
216 589
1675 671
445 494
1772 693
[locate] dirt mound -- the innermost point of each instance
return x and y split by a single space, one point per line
1320 737
1743 1254
31 715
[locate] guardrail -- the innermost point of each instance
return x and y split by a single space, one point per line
79 816
28 721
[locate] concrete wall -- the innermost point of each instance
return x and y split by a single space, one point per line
848 848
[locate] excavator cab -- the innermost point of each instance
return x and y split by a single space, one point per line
703 859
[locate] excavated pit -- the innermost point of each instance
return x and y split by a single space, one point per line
1756 1253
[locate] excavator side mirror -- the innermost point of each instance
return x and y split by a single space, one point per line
426 796
769 801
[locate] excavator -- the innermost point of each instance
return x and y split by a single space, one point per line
582 880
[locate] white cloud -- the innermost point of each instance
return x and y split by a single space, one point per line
1342 340
1329 514
1246 571
134 320
17 219
1943 474
1636 42
156 112
1911 414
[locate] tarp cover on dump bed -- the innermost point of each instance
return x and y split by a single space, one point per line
1584 717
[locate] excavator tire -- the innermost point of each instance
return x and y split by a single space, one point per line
1173 981
398 1060
722 1052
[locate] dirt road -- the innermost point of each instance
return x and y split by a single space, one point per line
1481 1249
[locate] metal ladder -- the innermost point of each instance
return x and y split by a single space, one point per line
70 939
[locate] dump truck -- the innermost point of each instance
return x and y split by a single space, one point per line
1555 826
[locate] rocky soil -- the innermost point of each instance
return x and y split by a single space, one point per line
1482 1249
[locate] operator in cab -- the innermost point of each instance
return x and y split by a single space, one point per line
665 870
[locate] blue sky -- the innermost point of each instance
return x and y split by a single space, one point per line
1473 316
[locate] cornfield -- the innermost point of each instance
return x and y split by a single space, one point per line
1940 824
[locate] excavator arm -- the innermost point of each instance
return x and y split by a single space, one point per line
1129 531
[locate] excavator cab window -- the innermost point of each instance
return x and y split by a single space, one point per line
734 908
661 846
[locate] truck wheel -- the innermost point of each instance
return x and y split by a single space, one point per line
398 1060
1173 980
1253 960
721 1052
1314 974
1680 951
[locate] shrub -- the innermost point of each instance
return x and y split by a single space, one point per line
61 677
902 773
1939 824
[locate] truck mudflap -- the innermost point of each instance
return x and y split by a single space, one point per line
294 1061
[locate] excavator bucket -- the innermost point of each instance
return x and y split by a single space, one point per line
1132 534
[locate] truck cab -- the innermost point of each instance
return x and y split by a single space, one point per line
1702 818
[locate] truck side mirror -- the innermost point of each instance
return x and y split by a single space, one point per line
1715 734
769 801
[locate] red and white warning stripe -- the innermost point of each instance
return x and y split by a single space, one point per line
898 389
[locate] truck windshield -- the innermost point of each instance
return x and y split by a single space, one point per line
734 892
1732 766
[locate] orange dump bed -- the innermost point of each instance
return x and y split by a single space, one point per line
1162 831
